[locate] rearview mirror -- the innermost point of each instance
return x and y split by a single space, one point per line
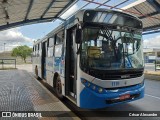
78 36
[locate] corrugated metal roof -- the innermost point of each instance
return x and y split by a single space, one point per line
148 11
19 12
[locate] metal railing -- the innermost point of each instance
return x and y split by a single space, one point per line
7 63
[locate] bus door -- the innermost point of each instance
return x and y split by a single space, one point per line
44 53
71 61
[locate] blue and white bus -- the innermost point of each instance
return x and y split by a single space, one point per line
94 58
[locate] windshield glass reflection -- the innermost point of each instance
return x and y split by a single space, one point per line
111 49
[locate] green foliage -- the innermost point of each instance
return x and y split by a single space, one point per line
22 51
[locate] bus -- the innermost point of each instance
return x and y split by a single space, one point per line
94 58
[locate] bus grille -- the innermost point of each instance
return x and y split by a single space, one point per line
115 88
116 75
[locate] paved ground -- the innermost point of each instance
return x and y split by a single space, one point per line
27 67
21 92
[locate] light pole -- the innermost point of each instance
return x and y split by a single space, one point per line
4 46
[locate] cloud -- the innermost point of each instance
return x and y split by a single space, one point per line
70 11
13 38
152 42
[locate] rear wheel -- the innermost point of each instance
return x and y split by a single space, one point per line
58 88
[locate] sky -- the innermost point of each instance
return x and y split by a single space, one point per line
26 35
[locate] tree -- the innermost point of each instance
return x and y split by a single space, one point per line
22 51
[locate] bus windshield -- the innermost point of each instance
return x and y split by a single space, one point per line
107 49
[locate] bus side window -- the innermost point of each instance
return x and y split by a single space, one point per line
58 50
59 44
35 51
38 51
50 47
60 37
46 48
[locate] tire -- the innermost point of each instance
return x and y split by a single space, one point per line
58 88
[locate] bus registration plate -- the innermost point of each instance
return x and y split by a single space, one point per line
123 97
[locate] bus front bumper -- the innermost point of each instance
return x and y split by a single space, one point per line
92 100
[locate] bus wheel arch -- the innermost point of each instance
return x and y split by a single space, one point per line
57 85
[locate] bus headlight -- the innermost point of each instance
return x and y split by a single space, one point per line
100 90
92 86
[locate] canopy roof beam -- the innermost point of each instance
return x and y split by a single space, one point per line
103 3
29 9
119 4
152 32
67 6
26 22
49 6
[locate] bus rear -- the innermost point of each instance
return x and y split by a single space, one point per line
110 62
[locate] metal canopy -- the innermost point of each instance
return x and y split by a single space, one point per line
148 11
21 12
14 13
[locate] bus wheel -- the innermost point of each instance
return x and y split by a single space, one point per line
58 88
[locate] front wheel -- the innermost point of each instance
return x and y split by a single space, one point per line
58 88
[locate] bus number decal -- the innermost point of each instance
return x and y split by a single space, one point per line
115 83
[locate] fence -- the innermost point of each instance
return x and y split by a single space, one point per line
7 63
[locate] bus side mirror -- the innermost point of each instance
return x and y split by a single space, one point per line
78 36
